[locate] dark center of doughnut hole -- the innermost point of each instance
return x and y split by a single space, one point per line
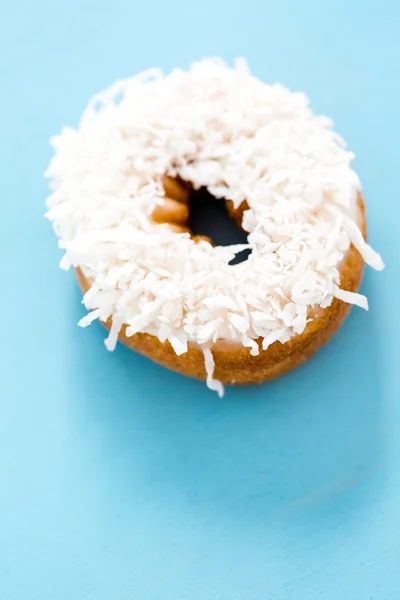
209 216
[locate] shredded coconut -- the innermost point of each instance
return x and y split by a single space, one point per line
221 128
212 383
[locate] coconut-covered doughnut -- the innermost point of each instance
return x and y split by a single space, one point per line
120 205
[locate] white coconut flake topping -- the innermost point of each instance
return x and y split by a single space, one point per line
224 129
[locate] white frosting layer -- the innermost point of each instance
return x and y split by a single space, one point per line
244 140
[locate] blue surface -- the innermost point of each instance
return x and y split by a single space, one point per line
120 480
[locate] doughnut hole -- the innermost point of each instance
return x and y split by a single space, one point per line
207 219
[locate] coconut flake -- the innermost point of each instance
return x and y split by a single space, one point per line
212 383
372 258
351 298
111 341
90 317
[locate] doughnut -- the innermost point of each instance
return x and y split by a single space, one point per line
122 183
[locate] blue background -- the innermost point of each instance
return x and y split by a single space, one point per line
120 480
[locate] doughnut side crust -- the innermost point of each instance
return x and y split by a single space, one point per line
233 363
